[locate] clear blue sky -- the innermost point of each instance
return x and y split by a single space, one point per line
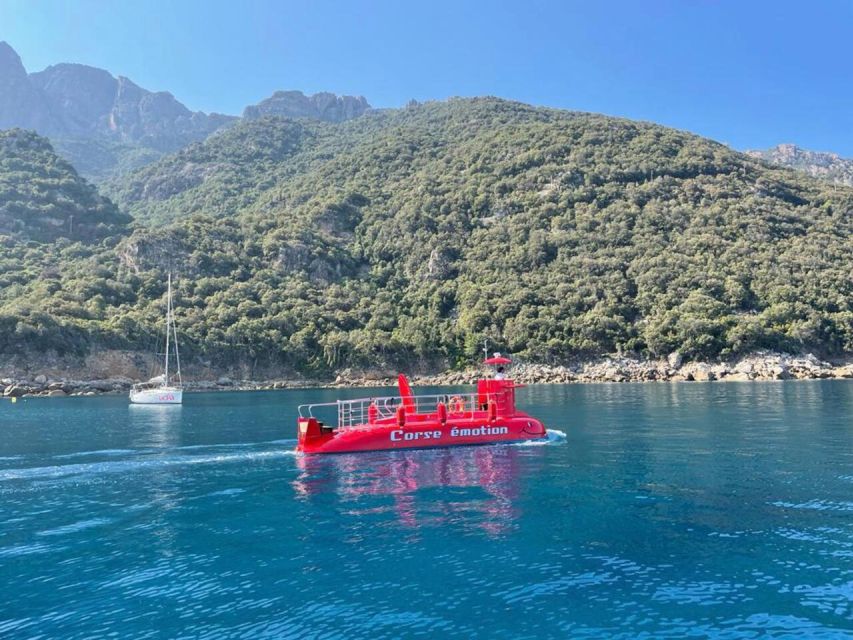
748 73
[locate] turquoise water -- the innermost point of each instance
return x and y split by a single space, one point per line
719 510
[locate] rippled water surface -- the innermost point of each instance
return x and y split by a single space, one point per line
666 511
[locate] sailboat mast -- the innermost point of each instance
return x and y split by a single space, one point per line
175 336
168 313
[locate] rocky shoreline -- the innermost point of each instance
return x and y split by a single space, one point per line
759 366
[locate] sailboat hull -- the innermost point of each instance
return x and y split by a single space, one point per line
163 395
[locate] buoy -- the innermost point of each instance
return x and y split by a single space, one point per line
372 412
14 399
401 416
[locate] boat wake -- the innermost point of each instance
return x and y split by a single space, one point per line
100 452
144 460
553 436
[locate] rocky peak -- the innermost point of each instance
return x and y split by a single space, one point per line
104 124
21 104
320 106
79 101
10 62
78 92
820 164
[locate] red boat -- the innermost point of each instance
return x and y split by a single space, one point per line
411 421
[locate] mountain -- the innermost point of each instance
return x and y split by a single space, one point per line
408 236
43 199
820 164
106 125
320 106
21 104
77 101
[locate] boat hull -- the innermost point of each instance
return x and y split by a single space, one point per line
157 396
418 434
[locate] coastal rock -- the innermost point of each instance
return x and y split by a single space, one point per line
17 390
843 372
699 372
40 379
375 375
11 391
808 367
738 376
102 385
617 368
721 371
613 374
56 393
778 372
675 360
744 367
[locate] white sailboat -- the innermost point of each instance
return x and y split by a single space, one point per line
163 389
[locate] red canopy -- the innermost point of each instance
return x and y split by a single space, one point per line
497 360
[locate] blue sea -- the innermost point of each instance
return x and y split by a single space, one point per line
709 510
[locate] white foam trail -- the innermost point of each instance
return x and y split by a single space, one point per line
122 466
100 452
234 445
149 450
552 436
75 527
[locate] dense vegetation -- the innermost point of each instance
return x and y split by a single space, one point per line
98 159
411 235
42 198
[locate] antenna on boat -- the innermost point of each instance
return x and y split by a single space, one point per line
485 349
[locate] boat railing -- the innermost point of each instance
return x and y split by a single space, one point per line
357 412
149 386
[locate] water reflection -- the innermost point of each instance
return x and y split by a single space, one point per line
474 486
159 427
155 425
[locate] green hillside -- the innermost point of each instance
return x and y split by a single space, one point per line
57 256
42 198
412 234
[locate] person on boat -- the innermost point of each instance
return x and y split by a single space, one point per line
499 374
